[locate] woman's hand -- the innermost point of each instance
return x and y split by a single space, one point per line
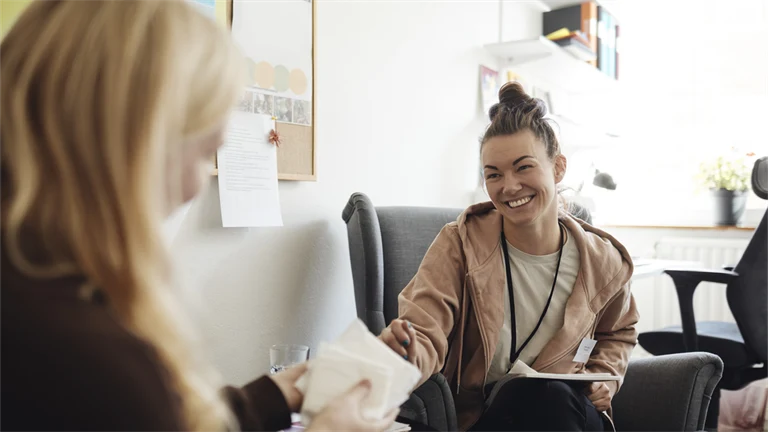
286 382
600 396
401 337
345 413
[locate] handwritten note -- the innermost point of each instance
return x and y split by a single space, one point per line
247 165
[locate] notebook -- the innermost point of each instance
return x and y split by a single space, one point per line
522 370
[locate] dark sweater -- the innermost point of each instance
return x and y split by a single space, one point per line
67 364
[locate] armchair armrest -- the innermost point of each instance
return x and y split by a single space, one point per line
432 404
665 393
686 281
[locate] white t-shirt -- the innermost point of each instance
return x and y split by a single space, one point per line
532 278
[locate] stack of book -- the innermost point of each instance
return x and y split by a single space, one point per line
589 32
575 42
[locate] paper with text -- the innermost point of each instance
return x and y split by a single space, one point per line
247 164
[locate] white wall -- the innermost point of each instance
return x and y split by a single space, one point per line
694 84
398 118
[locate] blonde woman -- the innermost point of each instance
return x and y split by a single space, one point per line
110 112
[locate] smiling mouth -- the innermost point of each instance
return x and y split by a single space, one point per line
520 202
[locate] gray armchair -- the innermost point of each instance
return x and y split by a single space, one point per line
386 246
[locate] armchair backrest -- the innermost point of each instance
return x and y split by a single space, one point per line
386 246
406 234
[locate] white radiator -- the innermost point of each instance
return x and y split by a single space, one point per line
709 302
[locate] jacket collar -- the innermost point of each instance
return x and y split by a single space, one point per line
604 260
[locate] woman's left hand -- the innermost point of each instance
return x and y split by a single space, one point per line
600 396
286 382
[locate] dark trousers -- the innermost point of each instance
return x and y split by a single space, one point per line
541 405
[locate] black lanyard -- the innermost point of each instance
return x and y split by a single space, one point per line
513 355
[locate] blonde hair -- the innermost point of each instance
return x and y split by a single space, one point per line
99 99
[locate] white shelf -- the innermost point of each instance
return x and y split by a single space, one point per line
612 6
548 61
584 134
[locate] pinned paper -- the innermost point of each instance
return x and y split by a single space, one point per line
248 188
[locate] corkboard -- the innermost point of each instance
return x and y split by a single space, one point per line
296 156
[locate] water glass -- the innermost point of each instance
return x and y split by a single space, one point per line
282 357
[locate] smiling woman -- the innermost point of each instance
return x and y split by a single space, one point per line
505 275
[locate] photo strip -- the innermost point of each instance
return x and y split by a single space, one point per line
284 109
301 112
263 104
246 102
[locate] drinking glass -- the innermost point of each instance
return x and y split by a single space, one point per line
282 357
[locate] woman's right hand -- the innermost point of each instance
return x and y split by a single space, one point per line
345 413
401 337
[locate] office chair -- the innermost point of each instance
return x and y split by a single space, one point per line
741 345
760 177
386 246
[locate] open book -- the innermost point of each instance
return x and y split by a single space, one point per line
522 370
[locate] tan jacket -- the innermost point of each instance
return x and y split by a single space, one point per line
456 305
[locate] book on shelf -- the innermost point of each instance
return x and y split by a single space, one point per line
580 17
577 49
564 34
607 34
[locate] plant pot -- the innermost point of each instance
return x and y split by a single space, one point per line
729 206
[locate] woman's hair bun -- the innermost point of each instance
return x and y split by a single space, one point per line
512 94
512 98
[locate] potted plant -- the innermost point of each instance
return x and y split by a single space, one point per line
727 177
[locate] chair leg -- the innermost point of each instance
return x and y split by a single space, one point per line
713 413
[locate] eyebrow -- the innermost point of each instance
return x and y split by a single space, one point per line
517 161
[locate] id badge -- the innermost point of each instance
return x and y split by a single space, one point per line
584 351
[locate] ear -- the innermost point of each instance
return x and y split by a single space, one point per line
561 164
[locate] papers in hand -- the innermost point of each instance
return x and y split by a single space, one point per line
355 356
394 427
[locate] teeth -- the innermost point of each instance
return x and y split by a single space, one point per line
519 202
